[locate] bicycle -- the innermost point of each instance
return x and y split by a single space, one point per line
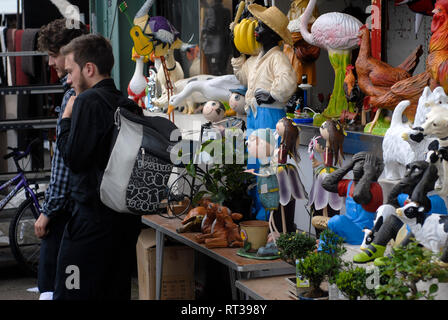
24 244
194 181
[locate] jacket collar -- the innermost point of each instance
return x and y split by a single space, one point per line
109 82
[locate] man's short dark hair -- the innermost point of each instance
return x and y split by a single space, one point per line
92 48
53 36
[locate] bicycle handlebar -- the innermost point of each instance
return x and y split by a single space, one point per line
17 154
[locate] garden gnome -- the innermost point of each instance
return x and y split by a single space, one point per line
363 195
237 101
261 145
214 111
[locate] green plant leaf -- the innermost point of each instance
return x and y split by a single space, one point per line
198 196
433 288
191 170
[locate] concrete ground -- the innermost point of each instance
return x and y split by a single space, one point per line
15 284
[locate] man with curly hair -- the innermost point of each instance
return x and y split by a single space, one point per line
56 207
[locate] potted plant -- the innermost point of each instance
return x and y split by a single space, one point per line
225 183
295 245
315 267
409 265
323 264
352 282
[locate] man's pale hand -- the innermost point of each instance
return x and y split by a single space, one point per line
69 107
40 226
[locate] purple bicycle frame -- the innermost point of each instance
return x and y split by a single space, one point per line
22 183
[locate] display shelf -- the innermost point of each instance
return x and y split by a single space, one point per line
37 89
46 123
354 142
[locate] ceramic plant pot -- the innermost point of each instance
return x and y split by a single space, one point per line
254 232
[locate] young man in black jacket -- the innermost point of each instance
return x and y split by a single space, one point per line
98 247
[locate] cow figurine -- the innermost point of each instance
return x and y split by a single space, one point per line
382 213
436 124
430 231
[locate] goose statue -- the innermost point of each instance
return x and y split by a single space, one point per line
137 85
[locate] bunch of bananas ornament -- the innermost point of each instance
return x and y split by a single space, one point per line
245 38
244 32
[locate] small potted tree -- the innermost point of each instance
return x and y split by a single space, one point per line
408 267
295 245
323 264
352 282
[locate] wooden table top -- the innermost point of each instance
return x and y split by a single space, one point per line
268 288
227 256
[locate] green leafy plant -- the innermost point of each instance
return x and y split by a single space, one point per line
295 245
333 245
315 267
225 183
325 263
353 283
408 265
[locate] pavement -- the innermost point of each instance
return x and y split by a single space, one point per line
17 285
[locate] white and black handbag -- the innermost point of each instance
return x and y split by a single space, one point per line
136 176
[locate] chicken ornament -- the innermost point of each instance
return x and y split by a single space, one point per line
435 74
375 77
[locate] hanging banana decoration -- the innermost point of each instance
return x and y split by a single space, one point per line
244 37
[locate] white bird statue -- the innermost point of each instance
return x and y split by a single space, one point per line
137 85
338 34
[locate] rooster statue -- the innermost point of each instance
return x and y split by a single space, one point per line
353 94
437 62
436 73
137 85
375 77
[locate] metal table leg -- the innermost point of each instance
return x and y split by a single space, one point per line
159 263
232 274
235 275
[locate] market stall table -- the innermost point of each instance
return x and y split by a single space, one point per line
269 288
239 267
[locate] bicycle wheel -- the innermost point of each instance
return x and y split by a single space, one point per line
179 195
25 246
